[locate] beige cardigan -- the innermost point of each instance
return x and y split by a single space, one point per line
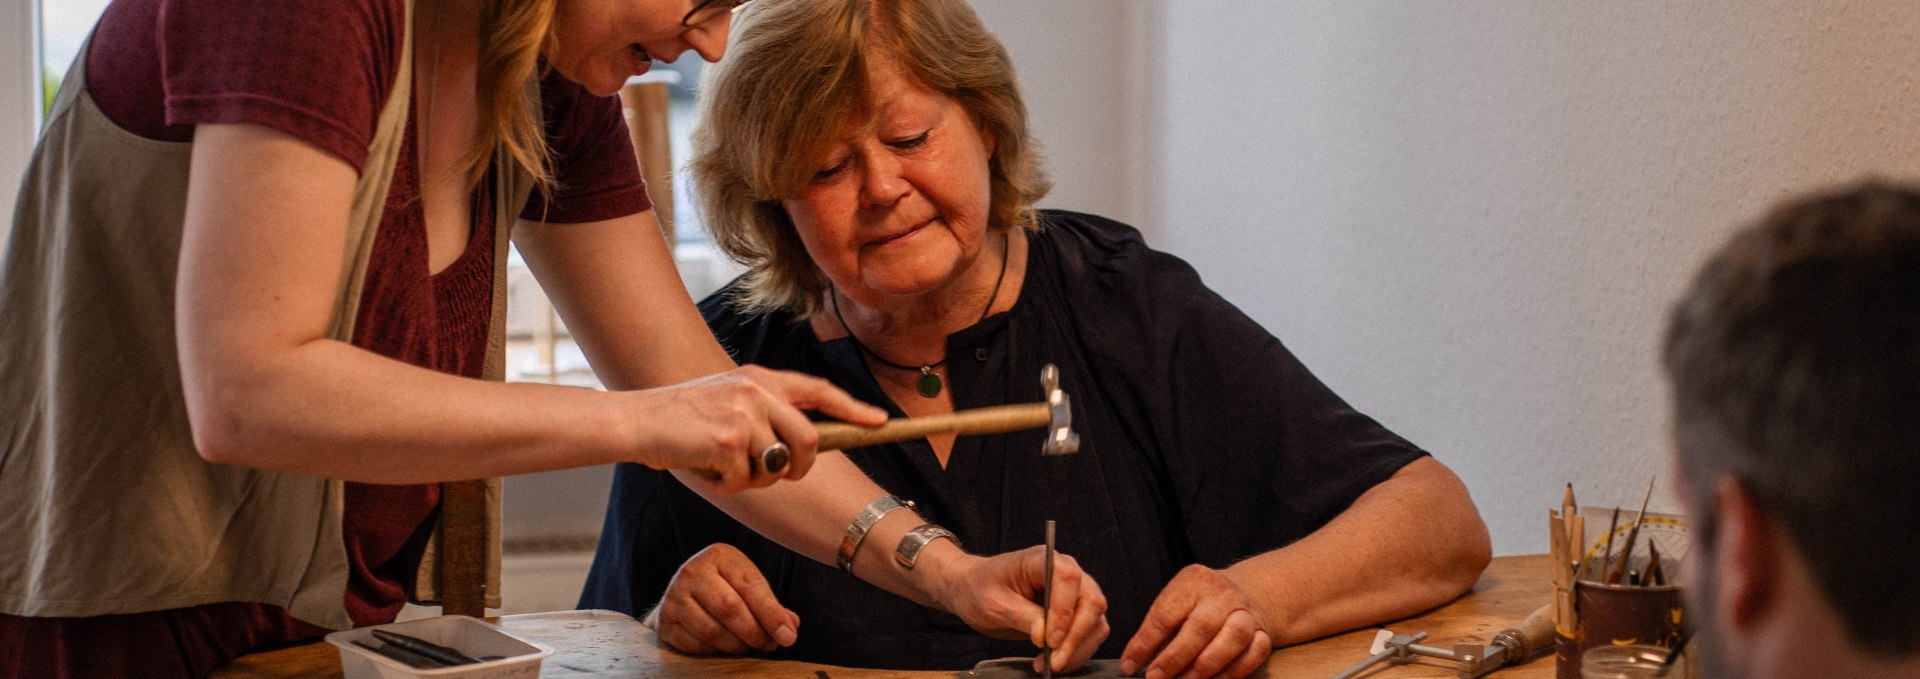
105 507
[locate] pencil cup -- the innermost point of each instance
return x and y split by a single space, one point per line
1618 616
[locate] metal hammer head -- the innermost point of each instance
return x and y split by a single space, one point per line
1060 437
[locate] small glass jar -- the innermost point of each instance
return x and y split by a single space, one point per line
1631 661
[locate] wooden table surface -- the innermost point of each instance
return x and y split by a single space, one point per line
603 644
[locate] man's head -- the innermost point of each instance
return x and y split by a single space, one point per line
1795 366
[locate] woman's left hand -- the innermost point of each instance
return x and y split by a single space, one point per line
1201 625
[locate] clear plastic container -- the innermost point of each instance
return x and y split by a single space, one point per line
518 658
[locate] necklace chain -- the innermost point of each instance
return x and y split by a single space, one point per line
929 383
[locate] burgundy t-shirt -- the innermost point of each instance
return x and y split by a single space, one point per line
320 71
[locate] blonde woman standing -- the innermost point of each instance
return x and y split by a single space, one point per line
252 308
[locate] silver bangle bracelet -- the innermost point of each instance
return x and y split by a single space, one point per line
864 521
908 553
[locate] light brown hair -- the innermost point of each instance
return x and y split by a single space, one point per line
513 35
796 74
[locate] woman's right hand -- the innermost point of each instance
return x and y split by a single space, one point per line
716 425
995 596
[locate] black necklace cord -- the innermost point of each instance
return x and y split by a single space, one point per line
929 383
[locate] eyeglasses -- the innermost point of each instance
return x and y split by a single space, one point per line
708 10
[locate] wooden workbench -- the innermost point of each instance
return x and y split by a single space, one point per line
602 644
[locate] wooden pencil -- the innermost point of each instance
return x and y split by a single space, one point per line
1633 533
1557 544
1606 553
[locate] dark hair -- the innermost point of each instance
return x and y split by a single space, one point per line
1795 365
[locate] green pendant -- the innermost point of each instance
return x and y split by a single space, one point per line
929 382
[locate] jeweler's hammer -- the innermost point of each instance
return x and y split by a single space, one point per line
1055 413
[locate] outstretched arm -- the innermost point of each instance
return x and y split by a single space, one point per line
260 259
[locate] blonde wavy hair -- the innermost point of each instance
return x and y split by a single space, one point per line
795 75
513 36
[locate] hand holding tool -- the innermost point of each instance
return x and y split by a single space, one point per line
1055 413
771 460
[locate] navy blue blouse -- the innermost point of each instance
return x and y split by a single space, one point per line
1203 440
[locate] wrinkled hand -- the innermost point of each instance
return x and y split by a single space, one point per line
717 425
1201 625
996 596
720 603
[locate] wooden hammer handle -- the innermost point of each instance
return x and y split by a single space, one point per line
991 420
1535 634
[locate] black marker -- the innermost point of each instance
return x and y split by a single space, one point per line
441 654
401 655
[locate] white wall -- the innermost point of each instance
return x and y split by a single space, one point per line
1469 217
1077 61
19 100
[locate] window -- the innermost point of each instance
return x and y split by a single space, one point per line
539 348
20 96
64 26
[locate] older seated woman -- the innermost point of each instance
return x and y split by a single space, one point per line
870 162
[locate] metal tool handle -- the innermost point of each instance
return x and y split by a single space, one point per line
991 420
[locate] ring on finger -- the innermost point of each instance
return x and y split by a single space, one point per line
773 459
